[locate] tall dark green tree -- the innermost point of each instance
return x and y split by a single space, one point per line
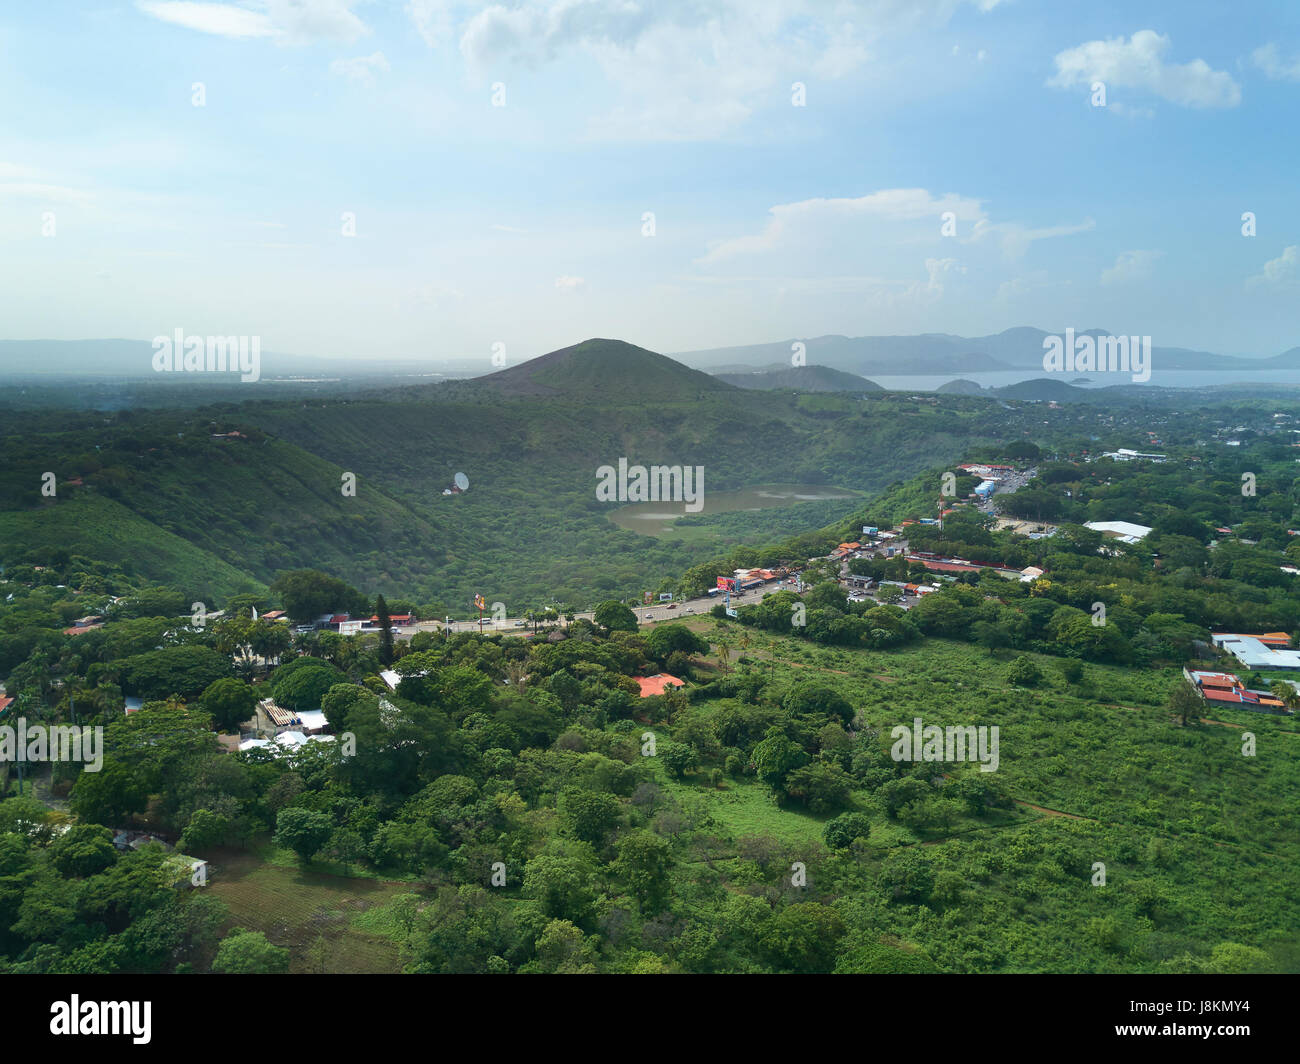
385 631
1185 702
614 617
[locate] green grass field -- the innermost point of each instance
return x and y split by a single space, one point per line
327 922
1198 840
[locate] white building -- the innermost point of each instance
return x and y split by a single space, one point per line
1124 454
312 721
1125 531
1254 654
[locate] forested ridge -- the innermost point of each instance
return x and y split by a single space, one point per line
516 805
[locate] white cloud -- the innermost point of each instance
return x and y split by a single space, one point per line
26 182
874 246
871 246
1015 239
1016 287
1283 270
362 69
312 20
796 222
223 20
1138 63
432 20
45 194
1131 266
1119 107
570 284
289 21
1267 59
688 70
937 269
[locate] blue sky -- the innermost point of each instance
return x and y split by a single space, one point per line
127 211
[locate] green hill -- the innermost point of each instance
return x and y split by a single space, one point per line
1044 389
609 370
101 529
246 506
802 379
530 528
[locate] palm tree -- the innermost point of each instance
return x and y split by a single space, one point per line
346 655
91 701
724 653
1284 693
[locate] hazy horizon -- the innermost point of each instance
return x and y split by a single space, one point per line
197 165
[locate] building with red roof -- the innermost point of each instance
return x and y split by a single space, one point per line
1270 639
1222 688
657 684
949 567
78 629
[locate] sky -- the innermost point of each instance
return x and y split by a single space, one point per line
428 179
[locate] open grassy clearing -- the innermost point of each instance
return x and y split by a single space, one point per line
328 923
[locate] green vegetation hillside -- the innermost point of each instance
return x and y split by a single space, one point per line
516 807
108 536
137 487
960 386
602 370
515 804
803 379
530 530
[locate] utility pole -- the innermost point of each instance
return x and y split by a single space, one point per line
21 755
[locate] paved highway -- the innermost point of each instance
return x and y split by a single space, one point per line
660 611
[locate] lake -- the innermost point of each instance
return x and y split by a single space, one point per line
1179 378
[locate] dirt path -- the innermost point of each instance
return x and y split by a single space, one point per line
801 665
1203 720
1053 812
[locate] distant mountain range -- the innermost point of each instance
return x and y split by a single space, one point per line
134 359
938 353
760 365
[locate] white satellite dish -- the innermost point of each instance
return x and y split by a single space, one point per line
462 481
